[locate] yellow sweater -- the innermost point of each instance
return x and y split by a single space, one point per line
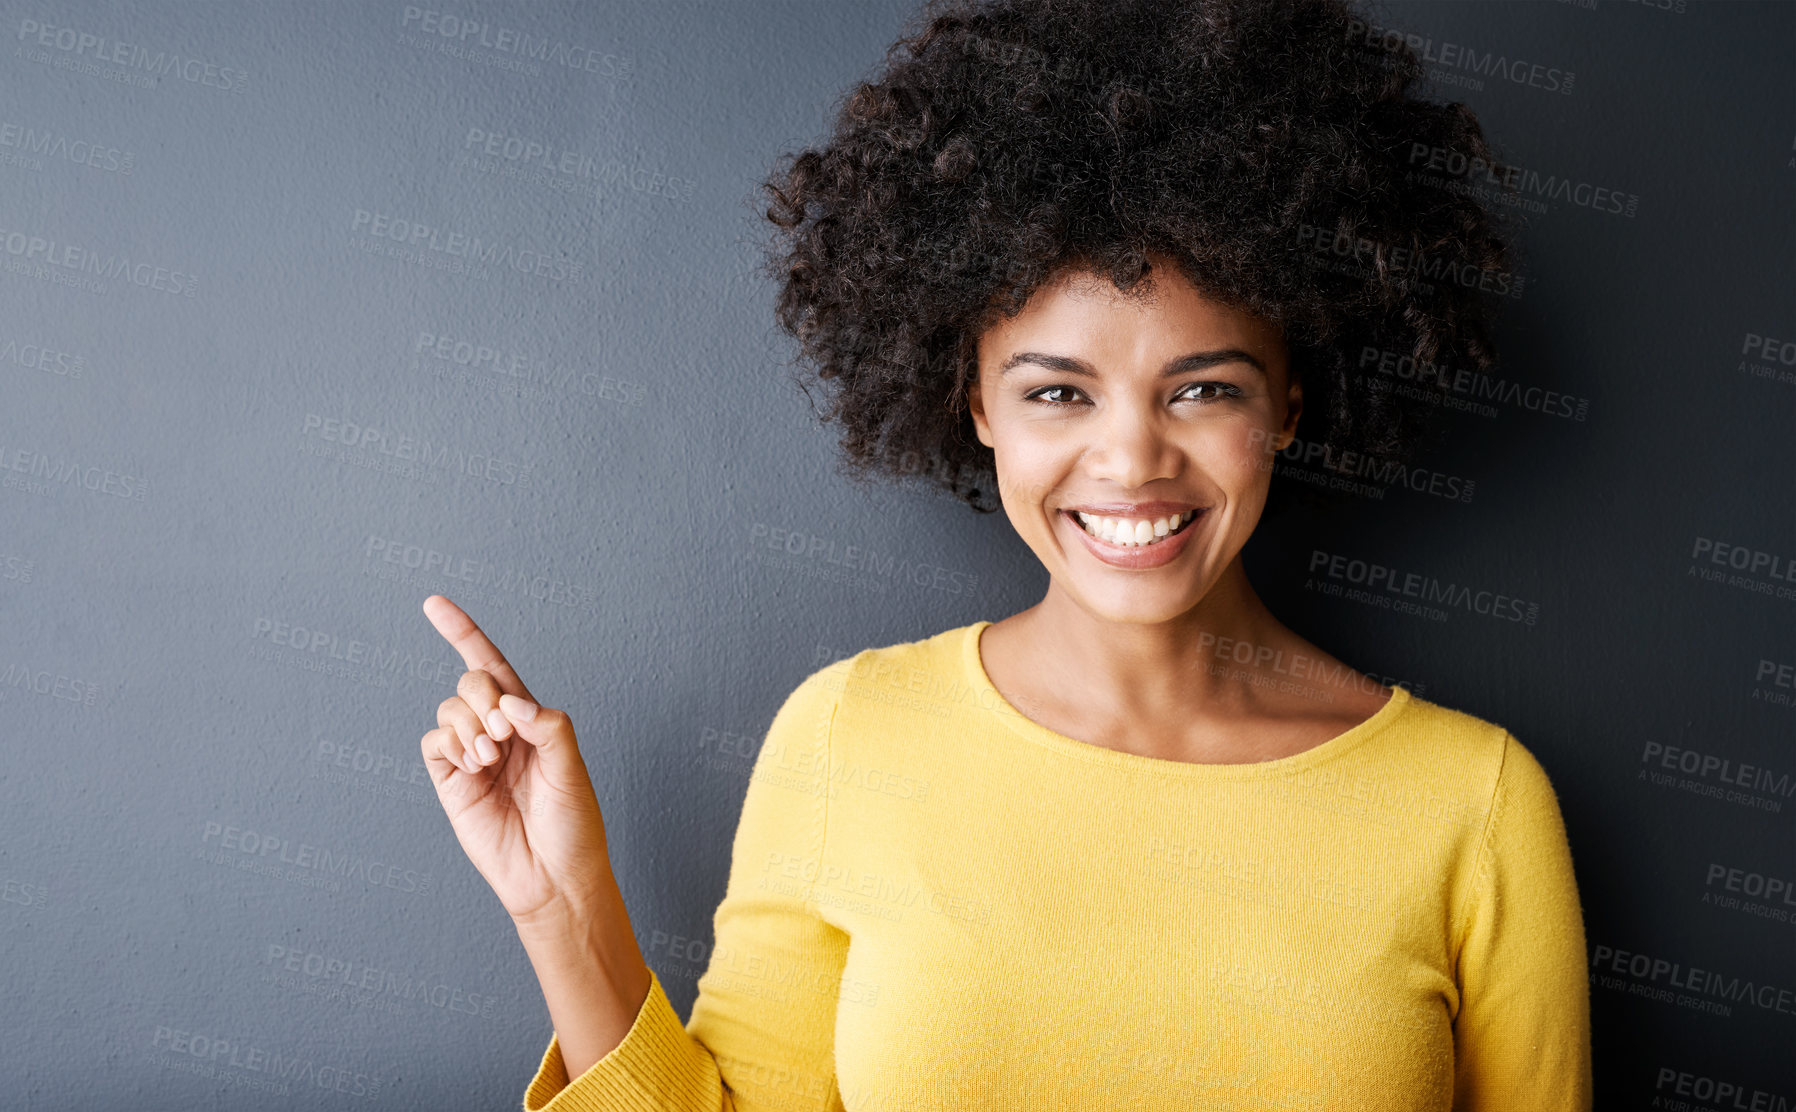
936 904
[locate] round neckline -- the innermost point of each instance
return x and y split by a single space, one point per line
1034 731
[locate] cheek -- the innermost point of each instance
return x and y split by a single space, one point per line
1031 467
1239 455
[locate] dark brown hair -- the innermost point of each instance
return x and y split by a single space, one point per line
1270 147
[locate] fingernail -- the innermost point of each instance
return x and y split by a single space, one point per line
497 724
521 709
484 746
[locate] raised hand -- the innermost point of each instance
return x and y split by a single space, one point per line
509 775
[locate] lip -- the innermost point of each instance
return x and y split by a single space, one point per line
1149 510
1134 558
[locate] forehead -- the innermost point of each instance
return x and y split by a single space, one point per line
1079 312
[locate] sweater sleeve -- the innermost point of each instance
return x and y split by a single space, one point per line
1522 1035
762 1032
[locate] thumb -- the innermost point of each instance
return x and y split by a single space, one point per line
551 733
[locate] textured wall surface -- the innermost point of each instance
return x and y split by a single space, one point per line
263 393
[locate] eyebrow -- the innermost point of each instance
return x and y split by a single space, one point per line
1184 364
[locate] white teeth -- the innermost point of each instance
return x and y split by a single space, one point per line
1130 532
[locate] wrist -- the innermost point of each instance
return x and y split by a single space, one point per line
595 987
559 927
574 911
599 939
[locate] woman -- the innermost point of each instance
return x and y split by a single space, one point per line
1139 846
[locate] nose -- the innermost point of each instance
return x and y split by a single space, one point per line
1131 447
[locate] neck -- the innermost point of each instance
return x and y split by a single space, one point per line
1202 660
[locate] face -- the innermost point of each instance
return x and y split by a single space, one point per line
1134 412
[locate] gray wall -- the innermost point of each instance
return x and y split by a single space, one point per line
203 644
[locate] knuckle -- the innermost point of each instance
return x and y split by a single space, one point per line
470 681
451 709
478 684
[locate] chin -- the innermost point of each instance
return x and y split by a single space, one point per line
1133 603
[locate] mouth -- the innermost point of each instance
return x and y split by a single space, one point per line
1125 534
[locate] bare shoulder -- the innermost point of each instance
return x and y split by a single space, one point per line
1323 688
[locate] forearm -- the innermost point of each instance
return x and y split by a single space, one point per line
593 979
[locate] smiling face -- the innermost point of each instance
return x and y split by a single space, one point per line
1130 412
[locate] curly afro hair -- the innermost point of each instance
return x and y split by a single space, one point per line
1268 147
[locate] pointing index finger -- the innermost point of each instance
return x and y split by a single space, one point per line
476 650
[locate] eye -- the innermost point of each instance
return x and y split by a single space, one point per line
1040 393
1227 390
